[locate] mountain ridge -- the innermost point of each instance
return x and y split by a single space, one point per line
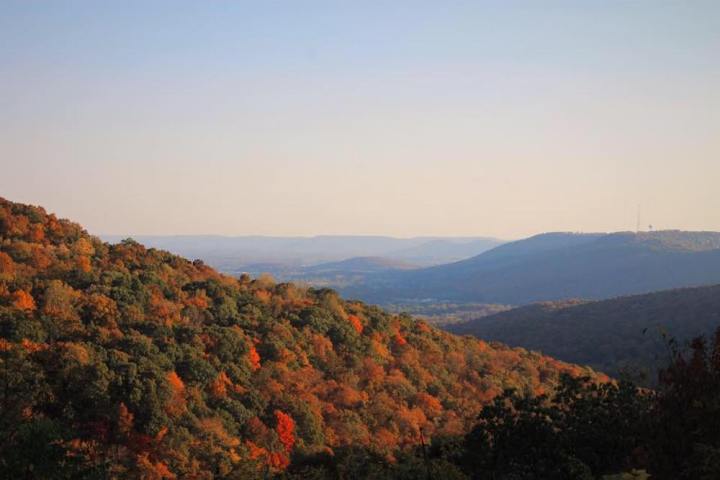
555 266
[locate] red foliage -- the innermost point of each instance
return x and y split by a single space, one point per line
285 429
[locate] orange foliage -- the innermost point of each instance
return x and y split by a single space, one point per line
348 397
278 461
216 427
23 300
263 295
285 429
254 358
373 372
31 346
386 438
37 234
399 339
161 434
76 352
379 349
83 264
422 327
175 382
220 385
411 419
429 404
19 226
40 258
275 460
7 266
322 346
60 300
255 452
83 246
200 300
176 404
163 308
149 470
356 323
455 361
101 308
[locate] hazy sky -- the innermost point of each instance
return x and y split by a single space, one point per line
399 118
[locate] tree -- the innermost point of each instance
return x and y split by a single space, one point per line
22 300
285 430
685 443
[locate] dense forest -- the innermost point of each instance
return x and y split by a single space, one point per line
118 361
557 266
618 335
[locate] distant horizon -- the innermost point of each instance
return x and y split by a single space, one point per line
413 237
372 235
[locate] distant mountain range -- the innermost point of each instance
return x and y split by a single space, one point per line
608 335
556 266
278 254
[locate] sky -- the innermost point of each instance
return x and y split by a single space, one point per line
398 118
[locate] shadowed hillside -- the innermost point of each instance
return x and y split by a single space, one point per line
608 335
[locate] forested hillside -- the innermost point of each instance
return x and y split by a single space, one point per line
610 335
558 266
118 361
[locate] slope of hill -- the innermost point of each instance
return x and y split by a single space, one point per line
609 335
559 266
119 361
